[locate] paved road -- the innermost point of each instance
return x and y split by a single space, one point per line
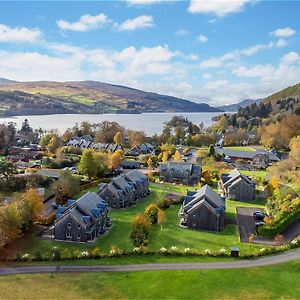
259 262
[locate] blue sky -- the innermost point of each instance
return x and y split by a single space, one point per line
217 52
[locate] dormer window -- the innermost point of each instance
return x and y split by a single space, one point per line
69 225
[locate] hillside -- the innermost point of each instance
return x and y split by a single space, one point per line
87 97
235 107
291 91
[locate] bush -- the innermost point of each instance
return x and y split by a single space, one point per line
151 212
280 225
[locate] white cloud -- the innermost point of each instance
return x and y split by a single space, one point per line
207 76
256 71
290 58
139 22
74 63
283 32
182 32
202 38
219 8
85 23
213 62
19 34
192 56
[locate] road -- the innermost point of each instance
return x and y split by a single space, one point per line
238 264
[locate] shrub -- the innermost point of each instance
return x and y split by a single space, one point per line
140 231
163 250
151 212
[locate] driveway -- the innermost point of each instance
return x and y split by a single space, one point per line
238 264
246 222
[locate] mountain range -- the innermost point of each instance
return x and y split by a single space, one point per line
45 97
235 107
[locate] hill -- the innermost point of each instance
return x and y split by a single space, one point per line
4 81
235 107
17 98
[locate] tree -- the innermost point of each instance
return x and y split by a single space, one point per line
150 164
101 161
116 159
151 213
140 230
207 176
165 157
136 137
7 170
87 163
66 187
34 203
177 156
118 138
54 143
106 132
161 218
295 150
211 150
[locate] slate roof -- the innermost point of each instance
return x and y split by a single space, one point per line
49 173
85 210
233 176
246 154
206 193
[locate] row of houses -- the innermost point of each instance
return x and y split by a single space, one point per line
85 142
180 172
125 190
137 150
81 220
85 219
259 158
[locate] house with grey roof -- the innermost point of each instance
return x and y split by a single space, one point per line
137 150
81 220
259 158
237 186
203 210
125 190
131 164
180 172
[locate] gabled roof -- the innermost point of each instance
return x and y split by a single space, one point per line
207 193
233 176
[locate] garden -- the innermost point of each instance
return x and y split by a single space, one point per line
167 236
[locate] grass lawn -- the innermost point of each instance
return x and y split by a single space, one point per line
272 282
243 148
262 174
170 235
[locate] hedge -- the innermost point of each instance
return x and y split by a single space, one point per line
280 225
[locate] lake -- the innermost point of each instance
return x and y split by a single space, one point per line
150 123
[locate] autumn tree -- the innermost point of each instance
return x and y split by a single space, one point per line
116 159
161 218
87 163
207 176
295 150
151 213
118 138
150 164
136 137
140 230
101 163
106 131
177 156
165 156
66 187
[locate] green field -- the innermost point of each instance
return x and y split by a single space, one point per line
272 282
243 148
170 235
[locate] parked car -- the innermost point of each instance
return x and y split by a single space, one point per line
259 215
259 224
54 206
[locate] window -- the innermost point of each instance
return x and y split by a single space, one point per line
78 226
78 236
69 225
194 220
69 235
